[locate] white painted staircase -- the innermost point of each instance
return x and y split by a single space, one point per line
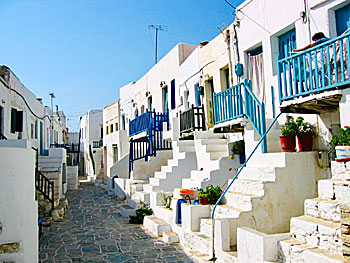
316 235
214 165
168 178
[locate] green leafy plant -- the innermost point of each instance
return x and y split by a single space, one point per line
304 127
213 193
201 194
343 139
238 147
143 211
167 200
290 127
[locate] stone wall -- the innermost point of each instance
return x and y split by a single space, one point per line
72 177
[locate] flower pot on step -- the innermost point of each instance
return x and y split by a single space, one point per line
203 201
288 143
305 143
342 153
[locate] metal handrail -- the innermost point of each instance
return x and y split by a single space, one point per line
234 178
45 186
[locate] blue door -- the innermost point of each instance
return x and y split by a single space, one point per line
342 18
287 42
173 102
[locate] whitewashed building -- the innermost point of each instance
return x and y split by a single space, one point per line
91 136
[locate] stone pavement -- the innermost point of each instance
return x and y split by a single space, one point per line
94 231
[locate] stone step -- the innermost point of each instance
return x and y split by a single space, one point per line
154 181
292 250
133 203
127 211
206 227
227 211
142 196
317 232
148 188
197 242
213 141
170 237
323 208
333 189
207 134
240 200
252 187
216 148
217 155
160 175
197 257
258 174
186 148
156 225
185 143
167 168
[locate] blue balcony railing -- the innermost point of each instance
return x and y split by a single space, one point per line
231 104
228 104
320 68
150 120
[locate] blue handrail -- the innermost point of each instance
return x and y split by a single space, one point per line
228 104
317 69
235 177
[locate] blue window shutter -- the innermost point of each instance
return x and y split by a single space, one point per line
173 102
342 17
197 96
287 42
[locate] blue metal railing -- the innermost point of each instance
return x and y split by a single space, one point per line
235 177
151 122
320 68
228 104
255 112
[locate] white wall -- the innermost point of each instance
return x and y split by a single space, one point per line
19 210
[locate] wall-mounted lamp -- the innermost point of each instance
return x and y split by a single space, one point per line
162 83
147 93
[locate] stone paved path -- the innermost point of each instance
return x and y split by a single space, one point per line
94 231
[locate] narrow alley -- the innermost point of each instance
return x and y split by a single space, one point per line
94 231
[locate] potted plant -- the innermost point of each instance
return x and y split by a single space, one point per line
341 144
202 196
288 130
213 193
239 148
305 134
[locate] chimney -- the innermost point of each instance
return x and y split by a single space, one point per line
40 100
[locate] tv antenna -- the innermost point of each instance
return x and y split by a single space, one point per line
156 28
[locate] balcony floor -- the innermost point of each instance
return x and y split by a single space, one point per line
317 103
235 125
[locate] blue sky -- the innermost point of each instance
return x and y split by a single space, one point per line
85 50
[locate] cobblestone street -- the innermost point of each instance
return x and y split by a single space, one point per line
94 231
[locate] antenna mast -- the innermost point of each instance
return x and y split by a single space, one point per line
156 28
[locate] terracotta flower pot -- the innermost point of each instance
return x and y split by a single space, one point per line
342 153
305 143
288 143
203 201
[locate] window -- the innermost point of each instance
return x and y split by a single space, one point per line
136 112
142 109
197 95
115 154
101 132
165 98
32 131
106 130
116 126
16 121
342 19
111 128
36 129
255 71
149 103
173 102
225 78
186 98
123 122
